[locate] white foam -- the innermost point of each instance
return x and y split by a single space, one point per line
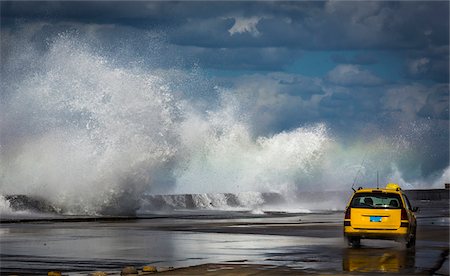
5 207
88 133
94 131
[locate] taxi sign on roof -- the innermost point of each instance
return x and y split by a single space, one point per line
393 186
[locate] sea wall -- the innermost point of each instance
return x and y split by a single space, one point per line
428 194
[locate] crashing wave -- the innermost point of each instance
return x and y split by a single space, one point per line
223 201
91 134
20 204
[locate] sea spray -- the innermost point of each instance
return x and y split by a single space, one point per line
92 134
95 136
234 162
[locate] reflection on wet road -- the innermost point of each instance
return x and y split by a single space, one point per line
299 242
391 260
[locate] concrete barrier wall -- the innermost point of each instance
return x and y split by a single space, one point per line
428 194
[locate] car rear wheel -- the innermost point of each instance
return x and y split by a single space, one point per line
354 242
411 242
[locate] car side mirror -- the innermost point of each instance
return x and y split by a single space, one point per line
415 209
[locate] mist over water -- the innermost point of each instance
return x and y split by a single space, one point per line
92 135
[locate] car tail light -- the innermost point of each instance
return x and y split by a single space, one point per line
347 213
404 215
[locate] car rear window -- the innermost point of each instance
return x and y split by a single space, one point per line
376 201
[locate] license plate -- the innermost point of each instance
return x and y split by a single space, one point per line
375 219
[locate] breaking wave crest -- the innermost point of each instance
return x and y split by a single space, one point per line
227 201
92 136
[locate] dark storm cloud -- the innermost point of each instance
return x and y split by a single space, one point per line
410 27
431 63
330 25
351 110
310 25
258 35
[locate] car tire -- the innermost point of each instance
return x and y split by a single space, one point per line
354 242
411 242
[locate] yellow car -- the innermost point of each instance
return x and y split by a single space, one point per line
380 214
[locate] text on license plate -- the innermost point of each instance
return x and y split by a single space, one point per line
375 219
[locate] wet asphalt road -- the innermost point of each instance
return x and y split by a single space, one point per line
306 243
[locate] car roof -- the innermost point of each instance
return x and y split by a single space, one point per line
390 188
375 190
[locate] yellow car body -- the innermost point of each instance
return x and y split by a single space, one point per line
380 214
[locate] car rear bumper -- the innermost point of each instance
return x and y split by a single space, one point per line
385 234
